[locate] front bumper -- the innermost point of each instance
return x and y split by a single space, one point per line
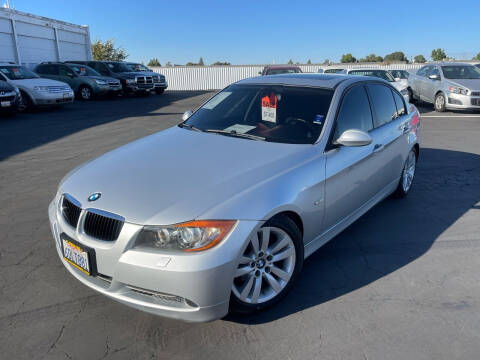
189 287
41 98
135 88
9 105
161 85
462 102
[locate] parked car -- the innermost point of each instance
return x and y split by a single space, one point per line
288 163
132 82
34 90
400 85
159 81
335 71
85 82
9 98
447 86
399 74
477 65
280 69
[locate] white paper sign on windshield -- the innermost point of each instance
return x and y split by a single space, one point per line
269 108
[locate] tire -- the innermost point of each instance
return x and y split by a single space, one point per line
440 102
408 175
259 270
85 93
160 91
412 100
25 103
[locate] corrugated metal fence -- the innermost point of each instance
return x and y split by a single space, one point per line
217 77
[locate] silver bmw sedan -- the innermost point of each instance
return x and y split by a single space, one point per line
218 213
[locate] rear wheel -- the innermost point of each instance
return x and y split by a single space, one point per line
85 93
268 266
440 102
408 173
411 99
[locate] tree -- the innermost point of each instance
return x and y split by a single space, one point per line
420 59
107 50
168 63
200 62
371 58
326 62
225 63
348 58
477 57
438 54
154 62
396 56
290 62
309 62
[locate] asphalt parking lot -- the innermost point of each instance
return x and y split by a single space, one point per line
401 283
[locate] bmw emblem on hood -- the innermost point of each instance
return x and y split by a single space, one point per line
94 196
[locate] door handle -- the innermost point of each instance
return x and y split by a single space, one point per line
378 148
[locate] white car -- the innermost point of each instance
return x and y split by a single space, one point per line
401 85
36 91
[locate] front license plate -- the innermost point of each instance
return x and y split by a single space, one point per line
5 103
78 255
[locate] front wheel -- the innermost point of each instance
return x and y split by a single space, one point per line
268 266
411 99
408 174
440 102
24 103
159 91
85 93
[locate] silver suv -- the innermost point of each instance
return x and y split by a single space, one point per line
446 86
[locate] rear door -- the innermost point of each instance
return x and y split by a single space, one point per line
351 172
390 118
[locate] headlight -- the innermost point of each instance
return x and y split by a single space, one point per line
404 92
100 82
458 90
189 236
40 88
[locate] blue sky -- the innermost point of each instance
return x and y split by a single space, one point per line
253 32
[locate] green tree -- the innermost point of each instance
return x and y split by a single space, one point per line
477 57
371 58
290 62
420 59
168 63
154 62
438 54
396 56
326 62
107 50
200 62
225 63
348 58
309 62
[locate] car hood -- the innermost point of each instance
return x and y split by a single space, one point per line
178 174
127 75
472 84
4 86
31 83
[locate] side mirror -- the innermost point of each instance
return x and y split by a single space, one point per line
186 115
434 77
354 137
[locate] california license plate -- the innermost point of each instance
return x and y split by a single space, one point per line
5 103
80 256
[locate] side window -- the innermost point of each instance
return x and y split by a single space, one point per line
401 110
354 112
101 68
423 71
434 71
40 69
65 71
383 104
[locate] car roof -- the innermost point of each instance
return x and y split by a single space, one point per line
9 64
448 63
366 69
329 81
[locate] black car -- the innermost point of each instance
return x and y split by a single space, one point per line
132 82
159 80
9 98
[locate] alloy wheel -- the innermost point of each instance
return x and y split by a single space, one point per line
409 171
85 93
439 102
265 267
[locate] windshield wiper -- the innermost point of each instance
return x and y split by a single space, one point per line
233 133
190 127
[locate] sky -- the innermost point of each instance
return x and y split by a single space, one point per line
265 32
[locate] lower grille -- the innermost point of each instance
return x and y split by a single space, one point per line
7 98
71 212
102 227
475 93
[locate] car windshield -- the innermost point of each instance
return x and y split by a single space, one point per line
138 67
382 74
18 72
283 71
83 70
333 71
275 113
461 72
118 67
401 74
